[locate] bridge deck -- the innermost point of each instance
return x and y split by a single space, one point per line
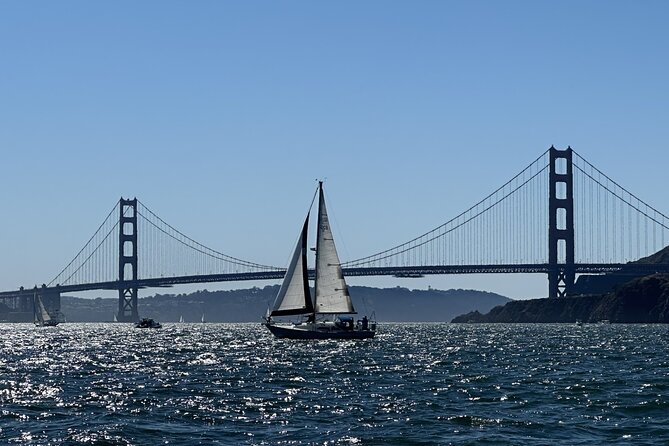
407 271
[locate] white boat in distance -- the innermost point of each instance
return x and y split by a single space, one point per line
331 293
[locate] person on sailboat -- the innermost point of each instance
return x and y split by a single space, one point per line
365 323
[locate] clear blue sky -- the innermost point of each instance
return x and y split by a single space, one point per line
219 115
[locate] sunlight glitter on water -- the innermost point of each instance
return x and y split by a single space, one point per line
424 383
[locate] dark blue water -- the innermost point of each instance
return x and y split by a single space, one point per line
415 384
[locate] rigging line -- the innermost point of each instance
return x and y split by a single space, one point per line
612 181
311 205
464 222
89 241
362 259
231 259
628 202
223 258
334 223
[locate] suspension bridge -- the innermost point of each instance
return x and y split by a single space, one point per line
559 216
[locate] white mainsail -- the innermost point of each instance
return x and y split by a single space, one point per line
42 315
294 296
331 290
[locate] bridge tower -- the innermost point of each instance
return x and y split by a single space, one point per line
561 223
127 261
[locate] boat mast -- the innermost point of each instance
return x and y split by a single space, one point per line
35 306
318 232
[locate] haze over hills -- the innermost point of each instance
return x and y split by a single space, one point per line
249 305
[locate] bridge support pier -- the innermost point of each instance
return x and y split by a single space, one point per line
25 304
127 261
561 274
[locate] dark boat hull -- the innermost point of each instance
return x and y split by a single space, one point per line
50 323
303 331
148 323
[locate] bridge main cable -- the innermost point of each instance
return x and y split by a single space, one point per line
197 246
95 250
433 234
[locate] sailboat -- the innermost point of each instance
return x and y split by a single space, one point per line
181 319
41 316
331 293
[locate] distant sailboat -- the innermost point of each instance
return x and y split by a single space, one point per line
331 297
181 319
202 318
115 319
41 316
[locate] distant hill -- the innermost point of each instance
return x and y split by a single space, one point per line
249 305
641 300
607 283
662 256
617 297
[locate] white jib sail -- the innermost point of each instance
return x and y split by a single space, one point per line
331 290
294 296
44 315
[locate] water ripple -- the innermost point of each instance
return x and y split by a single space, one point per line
110 384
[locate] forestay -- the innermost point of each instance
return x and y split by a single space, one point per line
331 290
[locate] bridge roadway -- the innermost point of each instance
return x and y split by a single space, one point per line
397 271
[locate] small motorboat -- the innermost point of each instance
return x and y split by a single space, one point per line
148 323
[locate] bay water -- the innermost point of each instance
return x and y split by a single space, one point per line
414 384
